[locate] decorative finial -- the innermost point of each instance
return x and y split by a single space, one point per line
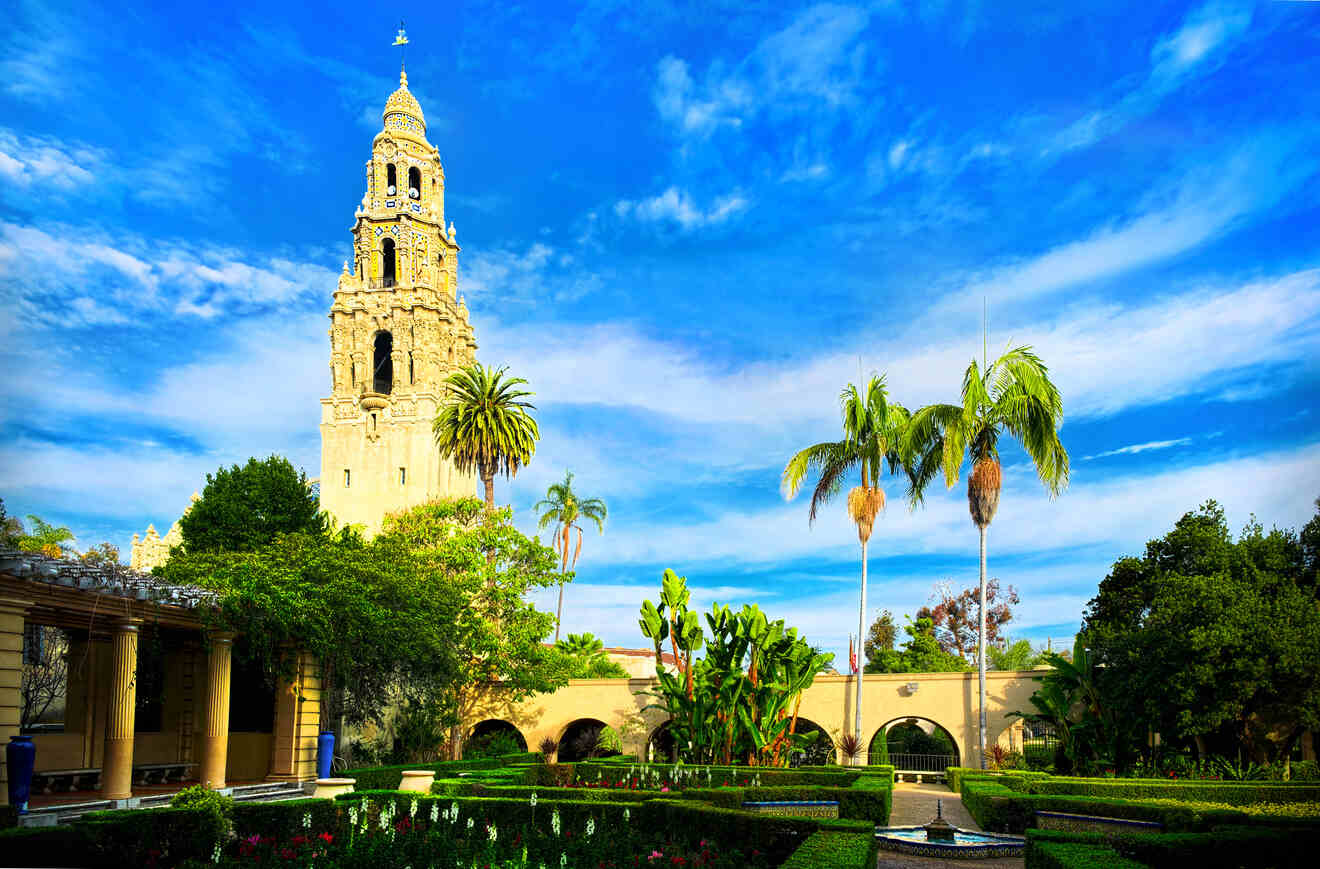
401 40
345 266
451 230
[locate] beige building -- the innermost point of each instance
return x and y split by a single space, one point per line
398 329
151 550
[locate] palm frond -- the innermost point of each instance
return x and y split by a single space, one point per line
804 462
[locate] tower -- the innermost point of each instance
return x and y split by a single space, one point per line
398 329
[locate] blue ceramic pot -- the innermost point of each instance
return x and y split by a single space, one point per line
20 754
325 753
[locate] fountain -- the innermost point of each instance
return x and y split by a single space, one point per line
939 838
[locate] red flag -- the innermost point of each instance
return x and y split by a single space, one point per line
852 655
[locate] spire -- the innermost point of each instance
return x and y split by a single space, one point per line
401 40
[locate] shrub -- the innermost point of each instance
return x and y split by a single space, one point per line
1222 848
142 837
496 744
286 818
830 850
199 796
44 846
1075 855
389 777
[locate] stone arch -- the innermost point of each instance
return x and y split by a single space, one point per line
581 740
414 183
660 745
382 378
823 749
484 731
391 179
933 745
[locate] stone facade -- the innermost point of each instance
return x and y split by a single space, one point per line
398 329
151 550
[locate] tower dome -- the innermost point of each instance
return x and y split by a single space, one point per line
402 108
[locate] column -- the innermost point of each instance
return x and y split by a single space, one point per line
215 715
117 765
12 615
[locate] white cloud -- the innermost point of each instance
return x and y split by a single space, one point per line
677 206
1132 449
29 160
1197 47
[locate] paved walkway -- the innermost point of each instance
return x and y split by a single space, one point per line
915 804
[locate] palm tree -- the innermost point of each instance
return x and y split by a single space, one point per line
562 506
1014 395
872 429
484 425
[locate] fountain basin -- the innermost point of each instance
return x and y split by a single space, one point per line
966 845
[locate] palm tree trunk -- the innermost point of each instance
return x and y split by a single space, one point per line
559 610
980 657
861 626
488 479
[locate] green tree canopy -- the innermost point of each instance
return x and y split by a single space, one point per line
587 658
248 507
920 654
1019 655
1212 639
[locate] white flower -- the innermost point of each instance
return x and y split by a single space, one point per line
412 809
352 816
627 815
491 832
384 820
563 858
453 809
469 823
533 799
554 821
435 812
215 855
307 820
591 826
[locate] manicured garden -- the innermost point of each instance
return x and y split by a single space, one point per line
1205 823
507 812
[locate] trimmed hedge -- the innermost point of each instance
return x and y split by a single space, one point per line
43 846
1233 793
384 777
830 850
1221 848
145 836
284 819
868 804
734 775
1075 855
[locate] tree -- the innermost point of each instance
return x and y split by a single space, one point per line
45 538
957 617
245 508
45 676
562 507
1013 656
880 638
872 429
1015 395
484 425
1212 640
920 654
587 658
102 553
11 527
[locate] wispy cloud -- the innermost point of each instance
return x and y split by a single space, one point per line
1132 449
1197 47
677 206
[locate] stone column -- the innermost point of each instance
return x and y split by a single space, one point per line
284 735
215 714
12 621
117 764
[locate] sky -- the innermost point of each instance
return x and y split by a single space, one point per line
688 226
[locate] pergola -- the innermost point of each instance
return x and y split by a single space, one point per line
104 609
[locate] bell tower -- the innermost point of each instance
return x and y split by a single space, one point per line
398 329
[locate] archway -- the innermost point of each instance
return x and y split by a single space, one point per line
383 367
492 738
660 747
915 744
586 738
821 751
387 262
414 183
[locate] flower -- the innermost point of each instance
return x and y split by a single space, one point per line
470 823
563 859
554 821
307 820
492 833
533 799
215 854
352 816
453 811
627 815
591 826
326 837
435 812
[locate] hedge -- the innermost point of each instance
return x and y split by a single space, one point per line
954 775
284 819
735 775
1233 793
1075 855
830 850
868 804
43 846
1221 848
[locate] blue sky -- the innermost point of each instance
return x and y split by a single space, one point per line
687 227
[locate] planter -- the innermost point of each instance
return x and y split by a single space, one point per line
325 753
417 780
20 754
328 788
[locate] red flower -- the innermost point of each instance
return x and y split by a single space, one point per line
298 840
326 837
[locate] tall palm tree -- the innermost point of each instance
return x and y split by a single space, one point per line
484 425
1013 394
872 429
562 506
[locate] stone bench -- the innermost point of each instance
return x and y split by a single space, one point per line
795 808
53 781
160 773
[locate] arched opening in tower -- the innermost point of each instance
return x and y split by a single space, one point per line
414 182
383 369
390 179
387 262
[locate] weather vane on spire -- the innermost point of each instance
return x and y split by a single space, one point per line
401 40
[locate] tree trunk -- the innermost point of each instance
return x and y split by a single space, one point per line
559 610
861 627
980 658
488 480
